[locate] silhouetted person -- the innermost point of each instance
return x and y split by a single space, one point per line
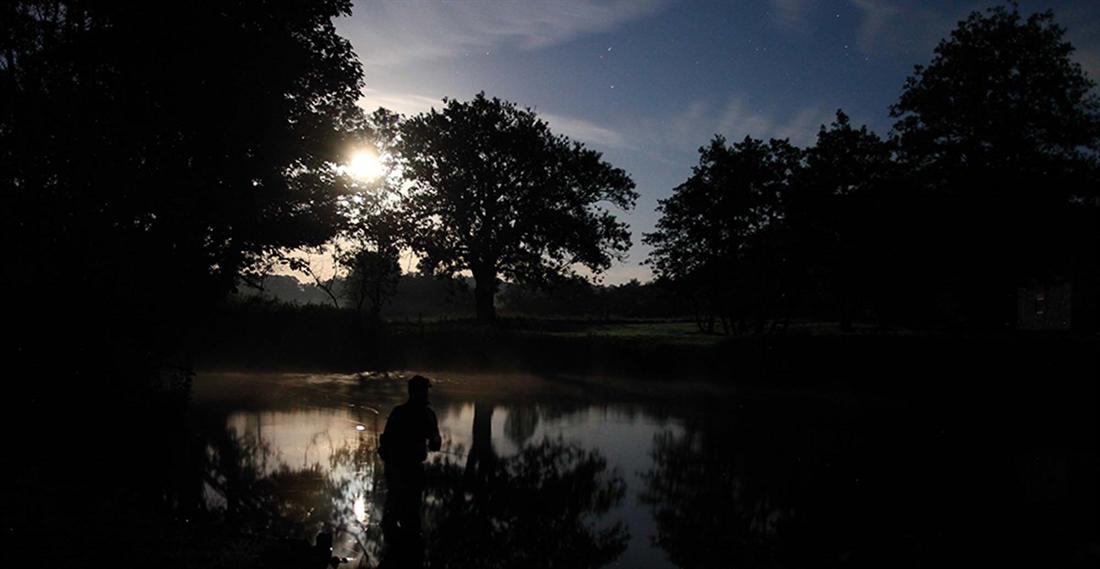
411 430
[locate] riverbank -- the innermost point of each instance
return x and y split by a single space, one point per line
810 357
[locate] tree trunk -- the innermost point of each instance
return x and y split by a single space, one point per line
485 290
479 461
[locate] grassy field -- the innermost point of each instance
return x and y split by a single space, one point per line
662 332
811 355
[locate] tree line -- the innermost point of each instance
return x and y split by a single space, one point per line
416 296
987 182
127 159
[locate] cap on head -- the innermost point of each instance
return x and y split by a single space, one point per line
419 385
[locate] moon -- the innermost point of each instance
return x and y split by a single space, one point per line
365 165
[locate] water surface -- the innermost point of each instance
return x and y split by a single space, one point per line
556 472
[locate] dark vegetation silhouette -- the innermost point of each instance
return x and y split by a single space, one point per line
133 154
151 156
720 237
987 184
1002 127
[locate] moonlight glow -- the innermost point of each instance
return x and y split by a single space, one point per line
364 165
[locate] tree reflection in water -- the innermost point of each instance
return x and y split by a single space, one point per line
710 511
538 508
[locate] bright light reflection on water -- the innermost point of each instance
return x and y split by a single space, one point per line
338 440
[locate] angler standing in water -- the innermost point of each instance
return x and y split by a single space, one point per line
411 430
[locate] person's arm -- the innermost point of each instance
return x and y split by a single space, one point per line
435 442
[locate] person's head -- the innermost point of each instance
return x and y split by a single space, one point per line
418 388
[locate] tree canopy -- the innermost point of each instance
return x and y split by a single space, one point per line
716 229
173 144
835 212
494 192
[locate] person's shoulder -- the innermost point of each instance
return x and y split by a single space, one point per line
399 410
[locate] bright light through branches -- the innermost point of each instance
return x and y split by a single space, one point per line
365 165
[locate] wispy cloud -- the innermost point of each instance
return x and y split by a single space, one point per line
890 25
790 13
737 121
581 130
403 103
585 131
687 130
396 33
802 127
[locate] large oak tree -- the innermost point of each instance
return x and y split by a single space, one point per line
495 193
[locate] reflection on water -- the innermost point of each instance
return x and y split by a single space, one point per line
295 474
539 481
533 485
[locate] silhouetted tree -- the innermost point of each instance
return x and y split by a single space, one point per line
372 278
494 192
167 143
1002 132
1001 94
720 237
150 154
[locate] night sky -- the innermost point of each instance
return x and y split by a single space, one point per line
648 82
